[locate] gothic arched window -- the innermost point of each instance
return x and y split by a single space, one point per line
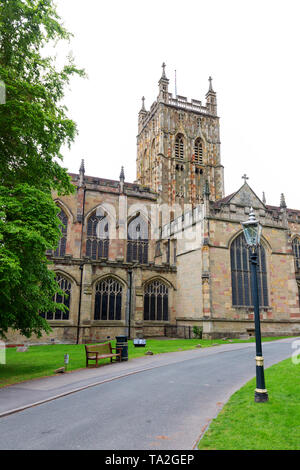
179 146
61 249
97 242
137 241
198 151
108 300
60 314
241 275
156 301
296 251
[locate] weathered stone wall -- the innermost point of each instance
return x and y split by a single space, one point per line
189 296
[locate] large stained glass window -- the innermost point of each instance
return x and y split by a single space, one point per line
241 275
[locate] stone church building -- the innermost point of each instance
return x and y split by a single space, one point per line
168 249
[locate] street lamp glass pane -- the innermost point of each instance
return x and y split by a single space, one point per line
252 234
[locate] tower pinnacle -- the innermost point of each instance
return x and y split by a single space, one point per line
82 169
163 86
122 175
122 180
282 202
211 98
81 173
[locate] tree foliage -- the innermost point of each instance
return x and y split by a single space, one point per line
28 227
34 126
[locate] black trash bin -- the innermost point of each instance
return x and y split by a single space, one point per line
121 343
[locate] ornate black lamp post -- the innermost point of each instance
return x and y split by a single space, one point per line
252 231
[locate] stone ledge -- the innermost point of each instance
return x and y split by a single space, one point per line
107 323
240 320
58 323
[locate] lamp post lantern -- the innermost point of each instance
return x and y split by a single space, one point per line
252 232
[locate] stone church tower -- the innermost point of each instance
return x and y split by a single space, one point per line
178 147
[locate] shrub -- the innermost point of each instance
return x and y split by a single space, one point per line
198 330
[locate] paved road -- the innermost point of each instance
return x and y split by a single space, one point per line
165 407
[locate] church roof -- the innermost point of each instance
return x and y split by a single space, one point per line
245 196
108 185
278 209
224 200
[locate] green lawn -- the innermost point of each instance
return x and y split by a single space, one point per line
246 425
39 361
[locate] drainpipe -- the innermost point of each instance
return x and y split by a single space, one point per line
79 306
130 302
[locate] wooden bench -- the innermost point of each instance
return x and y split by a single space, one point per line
101 351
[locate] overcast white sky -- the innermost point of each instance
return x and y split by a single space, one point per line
251 49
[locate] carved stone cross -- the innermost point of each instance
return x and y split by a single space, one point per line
245 178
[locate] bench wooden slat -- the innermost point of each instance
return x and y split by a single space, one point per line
101 351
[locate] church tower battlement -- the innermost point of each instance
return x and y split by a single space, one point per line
178 147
